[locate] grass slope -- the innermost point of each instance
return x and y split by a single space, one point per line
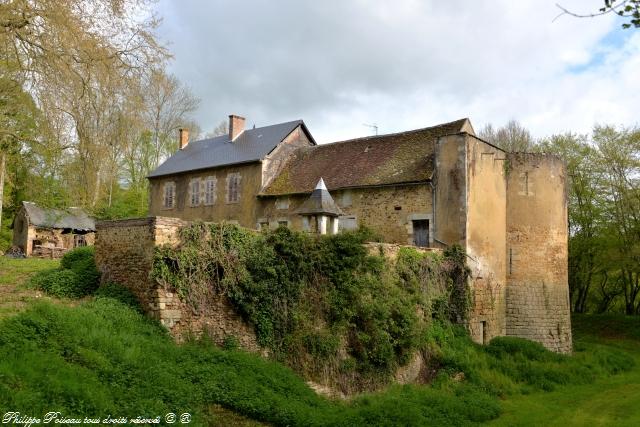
102 357
14 295
609 401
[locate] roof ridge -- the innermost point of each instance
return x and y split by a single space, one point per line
247 130
405 132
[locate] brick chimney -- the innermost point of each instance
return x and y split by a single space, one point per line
183 138
236 126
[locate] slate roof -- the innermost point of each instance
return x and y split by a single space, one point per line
397 158
251 145
320 202
72 218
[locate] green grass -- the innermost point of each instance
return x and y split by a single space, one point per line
15 295
608 401
101 357
16 271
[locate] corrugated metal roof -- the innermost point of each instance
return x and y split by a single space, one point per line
250 145
72 218
397 158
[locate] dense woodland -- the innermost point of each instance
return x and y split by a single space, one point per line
87 109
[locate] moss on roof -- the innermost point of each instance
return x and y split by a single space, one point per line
377 160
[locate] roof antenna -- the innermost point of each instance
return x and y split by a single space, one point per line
373 126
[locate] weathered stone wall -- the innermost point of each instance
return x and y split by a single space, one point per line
486 238
242 212
389 211
537 251
45 242
450 191
274 161
124 254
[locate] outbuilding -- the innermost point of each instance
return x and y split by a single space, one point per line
49 233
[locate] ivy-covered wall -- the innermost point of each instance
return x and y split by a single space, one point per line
338 311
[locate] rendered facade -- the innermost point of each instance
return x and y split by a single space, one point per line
429 187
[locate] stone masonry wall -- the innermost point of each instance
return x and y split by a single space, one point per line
537 250
486 238
389 211
124 254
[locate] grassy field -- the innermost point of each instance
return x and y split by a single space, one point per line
98 357
611 401
14 294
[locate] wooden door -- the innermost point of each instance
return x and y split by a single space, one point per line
421 232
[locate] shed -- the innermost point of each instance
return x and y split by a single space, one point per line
47 232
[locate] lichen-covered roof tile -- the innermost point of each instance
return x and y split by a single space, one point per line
377 160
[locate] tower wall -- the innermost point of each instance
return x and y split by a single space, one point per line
537 294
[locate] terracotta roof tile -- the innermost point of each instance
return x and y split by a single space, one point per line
377 160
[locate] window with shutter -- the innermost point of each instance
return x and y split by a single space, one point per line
233 188
195 192
169 195
210 190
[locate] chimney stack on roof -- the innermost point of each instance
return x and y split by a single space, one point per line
183 138
236 126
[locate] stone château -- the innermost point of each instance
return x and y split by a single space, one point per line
430 187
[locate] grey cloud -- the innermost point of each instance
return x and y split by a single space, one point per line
316 60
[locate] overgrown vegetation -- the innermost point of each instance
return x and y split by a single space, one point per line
97 358
76 277
323 304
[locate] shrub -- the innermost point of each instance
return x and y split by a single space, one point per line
104 358
77 277
230 343
119 293
300 292
39 279
501 347
74 256
62 283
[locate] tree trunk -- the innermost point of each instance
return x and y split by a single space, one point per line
2 167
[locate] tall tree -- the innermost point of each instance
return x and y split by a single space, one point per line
76 57
620 184
512 137
221 129
167 106
17 121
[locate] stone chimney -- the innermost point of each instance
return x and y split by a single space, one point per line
183 138
236 126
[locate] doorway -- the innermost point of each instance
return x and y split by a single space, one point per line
421 232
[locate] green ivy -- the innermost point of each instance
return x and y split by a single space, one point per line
317 301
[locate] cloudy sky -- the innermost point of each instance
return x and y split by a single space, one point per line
404 64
